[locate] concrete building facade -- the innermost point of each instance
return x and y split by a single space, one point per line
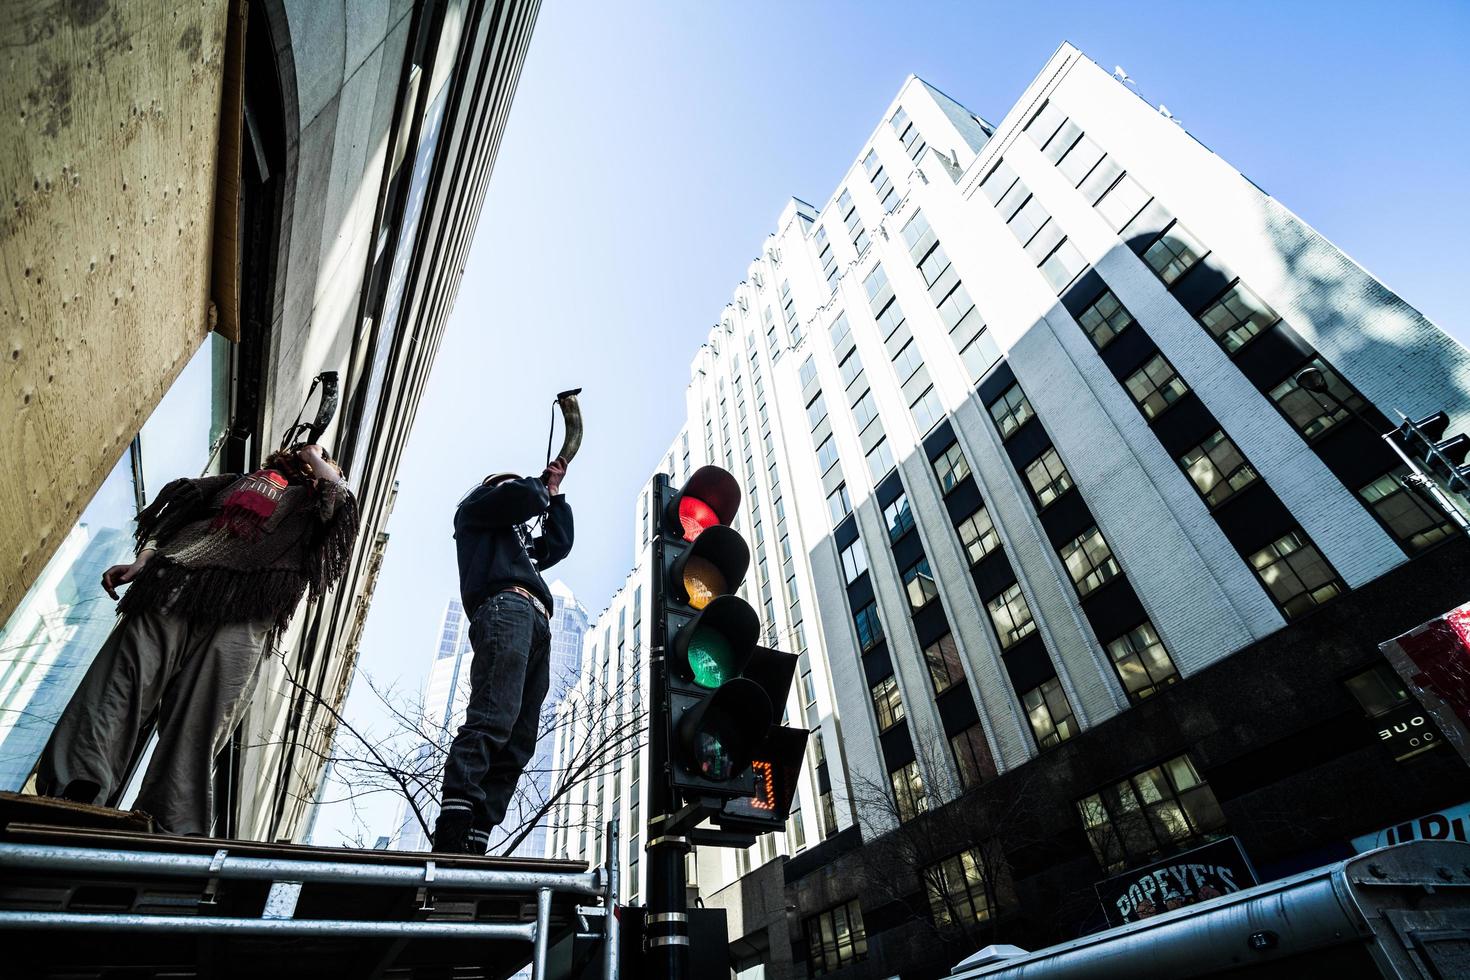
287 191
1080 574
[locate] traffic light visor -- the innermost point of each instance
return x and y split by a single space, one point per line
719 735
709 498
715 645
711 567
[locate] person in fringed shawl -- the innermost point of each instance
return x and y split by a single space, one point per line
222 564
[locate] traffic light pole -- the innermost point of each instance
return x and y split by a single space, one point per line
668 902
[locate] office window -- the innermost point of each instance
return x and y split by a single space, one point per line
1010 411
1049 479
920 239
1159 811
839 505
1155 386
972 756
1105 319
943 660
898 517
1295 573
1044 125
880 460
1063 265
1311 413
1089 561
850 368
918 581
1143 665
1011 616
951 467
829 260
829 814
887 705
816 410
839 331
854 561
907 361
855 230
869 626
908 791
1121 202
1028 220
978 535
827 454
998 184
957 889
834 939
1217 468
1050 713
1079 160
864 410
908 134
1173 254
1414 521
1236 317
882 186
927 410
1379 689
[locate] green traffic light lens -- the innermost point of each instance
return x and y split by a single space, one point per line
710 657
714 761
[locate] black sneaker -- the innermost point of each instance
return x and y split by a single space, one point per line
451 833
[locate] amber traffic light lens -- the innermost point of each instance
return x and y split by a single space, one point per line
702 582
695 516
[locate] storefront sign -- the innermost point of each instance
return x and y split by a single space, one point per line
1452 823
1434 661
1194 876
1407 731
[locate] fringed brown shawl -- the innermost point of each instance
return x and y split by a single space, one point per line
205 572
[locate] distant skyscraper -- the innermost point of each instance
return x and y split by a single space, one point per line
447 693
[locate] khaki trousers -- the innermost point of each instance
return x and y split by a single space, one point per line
197 677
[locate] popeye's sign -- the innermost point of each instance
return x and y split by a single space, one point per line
1185 879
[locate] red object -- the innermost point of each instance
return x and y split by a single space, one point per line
695 516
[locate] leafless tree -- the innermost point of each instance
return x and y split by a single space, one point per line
403 753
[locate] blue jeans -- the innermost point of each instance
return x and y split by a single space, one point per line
509 676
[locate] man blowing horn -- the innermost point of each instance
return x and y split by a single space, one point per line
222 563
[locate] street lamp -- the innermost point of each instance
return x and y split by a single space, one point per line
1314 380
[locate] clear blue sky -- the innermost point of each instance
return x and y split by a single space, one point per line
652 146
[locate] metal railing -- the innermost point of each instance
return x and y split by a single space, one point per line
287 876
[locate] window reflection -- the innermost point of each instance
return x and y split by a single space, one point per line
54 633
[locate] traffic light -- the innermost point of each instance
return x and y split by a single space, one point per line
722 691
1445 458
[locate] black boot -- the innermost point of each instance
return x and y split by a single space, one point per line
451 833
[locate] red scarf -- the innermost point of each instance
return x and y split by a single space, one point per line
250 504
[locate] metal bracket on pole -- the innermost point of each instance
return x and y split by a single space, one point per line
426 903
280 901
211 888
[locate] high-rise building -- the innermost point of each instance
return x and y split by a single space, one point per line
1080 573
292 191
447 693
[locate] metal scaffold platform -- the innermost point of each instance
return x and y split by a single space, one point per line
103 902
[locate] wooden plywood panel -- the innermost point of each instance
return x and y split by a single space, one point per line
109 114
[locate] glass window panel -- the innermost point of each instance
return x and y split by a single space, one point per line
1414 521
1089 561
1236 317
1063 265
943 660
1048 478
1010 411
898 517
1296 574
1218 469
1100 180
1104 319
918 582
1122 202
951 467
1080 159
1011 616
1143 665
1155 386
1313 413
1174 253
978 535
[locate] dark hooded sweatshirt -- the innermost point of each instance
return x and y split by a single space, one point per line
494 543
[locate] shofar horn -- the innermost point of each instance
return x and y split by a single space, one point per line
571 414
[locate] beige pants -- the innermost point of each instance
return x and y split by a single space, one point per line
197 677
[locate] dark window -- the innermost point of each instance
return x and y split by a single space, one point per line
1010 411
1296 574
1155 386
1414 521
1217 468
958 891
1173 253
1049 479
1143 665
908 791
978 535
869 626
1089 561
898 517
887 705
1105 319
972 756
1311 413
1379 689
943 659
1050 713
1236 317
951 467
1011 615
835 937
918 581
1159 811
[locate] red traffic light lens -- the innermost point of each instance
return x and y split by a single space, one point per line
695 516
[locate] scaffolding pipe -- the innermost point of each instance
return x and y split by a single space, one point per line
54 858
132 922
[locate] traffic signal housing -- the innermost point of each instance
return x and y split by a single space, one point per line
721 691
1445 458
